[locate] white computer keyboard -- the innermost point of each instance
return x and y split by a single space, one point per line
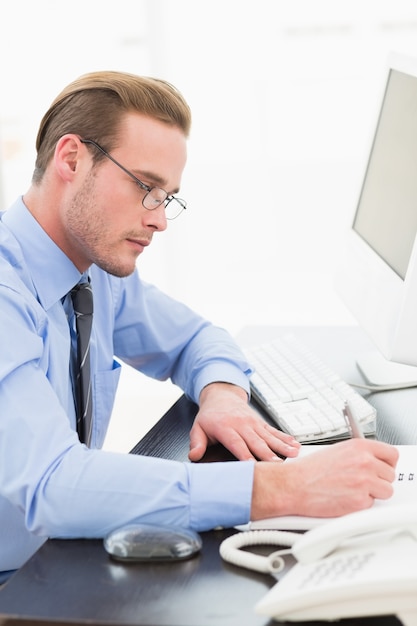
301 394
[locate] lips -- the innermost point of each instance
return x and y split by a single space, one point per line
139 242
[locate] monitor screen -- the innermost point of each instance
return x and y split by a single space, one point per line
386 216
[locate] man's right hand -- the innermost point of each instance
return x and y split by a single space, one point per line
332 481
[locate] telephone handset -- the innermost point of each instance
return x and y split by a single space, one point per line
322 540
361 564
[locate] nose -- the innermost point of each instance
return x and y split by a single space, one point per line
156 219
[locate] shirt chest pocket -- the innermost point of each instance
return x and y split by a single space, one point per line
104 392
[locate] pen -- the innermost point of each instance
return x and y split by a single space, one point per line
352 422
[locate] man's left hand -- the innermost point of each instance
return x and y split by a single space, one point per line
226 417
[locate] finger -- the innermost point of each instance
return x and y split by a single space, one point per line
379 449
386 472
238 446
386 452
262 451
381 489
277 441
382 486
259 441
260 445
198 443
281 442
276 432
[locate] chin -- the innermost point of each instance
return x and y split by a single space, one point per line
116 269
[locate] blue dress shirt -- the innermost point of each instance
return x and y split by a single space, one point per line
51 485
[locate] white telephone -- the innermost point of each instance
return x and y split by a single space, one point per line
358 565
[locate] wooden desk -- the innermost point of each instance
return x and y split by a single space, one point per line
74 581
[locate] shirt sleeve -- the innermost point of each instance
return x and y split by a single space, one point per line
68 490
169 340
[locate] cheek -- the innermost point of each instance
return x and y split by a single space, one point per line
116 218
120 205
106 207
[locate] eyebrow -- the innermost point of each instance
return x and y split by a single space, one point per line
154 179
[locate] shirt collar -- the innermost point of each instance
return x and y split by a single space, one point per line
52 273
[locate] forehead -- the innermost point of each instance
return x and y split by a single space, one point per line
152 150
152 145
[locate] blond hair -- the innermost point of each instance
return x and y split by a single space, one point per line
92 107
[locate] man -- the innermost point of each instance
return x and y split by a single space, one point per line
110 154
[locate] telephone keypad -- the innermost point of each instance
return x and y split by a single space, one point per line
330 571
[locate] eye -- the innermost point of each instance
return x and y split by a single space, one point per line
141 186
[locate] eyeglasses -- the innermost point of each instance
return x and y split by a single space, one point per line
155 196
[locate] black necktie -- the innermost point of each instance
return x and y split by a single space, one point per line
82 300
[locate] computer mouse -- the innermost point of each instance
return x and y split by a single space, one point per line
147 542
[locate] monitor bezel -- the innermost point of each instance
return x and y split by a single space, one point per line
383 303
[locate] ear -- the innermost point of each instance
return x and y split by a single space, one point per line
67 156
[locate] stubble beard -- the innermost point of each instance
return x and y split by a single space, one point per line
91 234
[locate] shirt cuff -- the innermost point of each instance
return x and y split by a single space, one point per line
220 493
224 373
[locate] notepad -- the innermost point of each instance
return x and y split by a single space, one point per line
405 492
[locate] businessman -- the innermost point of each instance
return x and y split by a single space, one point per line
111 150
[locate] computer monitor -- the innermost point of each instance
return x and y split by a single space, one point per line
378 277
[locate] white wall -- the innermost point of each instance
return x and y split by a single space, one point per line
285 96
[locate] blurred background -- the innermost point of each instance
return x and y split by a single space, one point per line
285 96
